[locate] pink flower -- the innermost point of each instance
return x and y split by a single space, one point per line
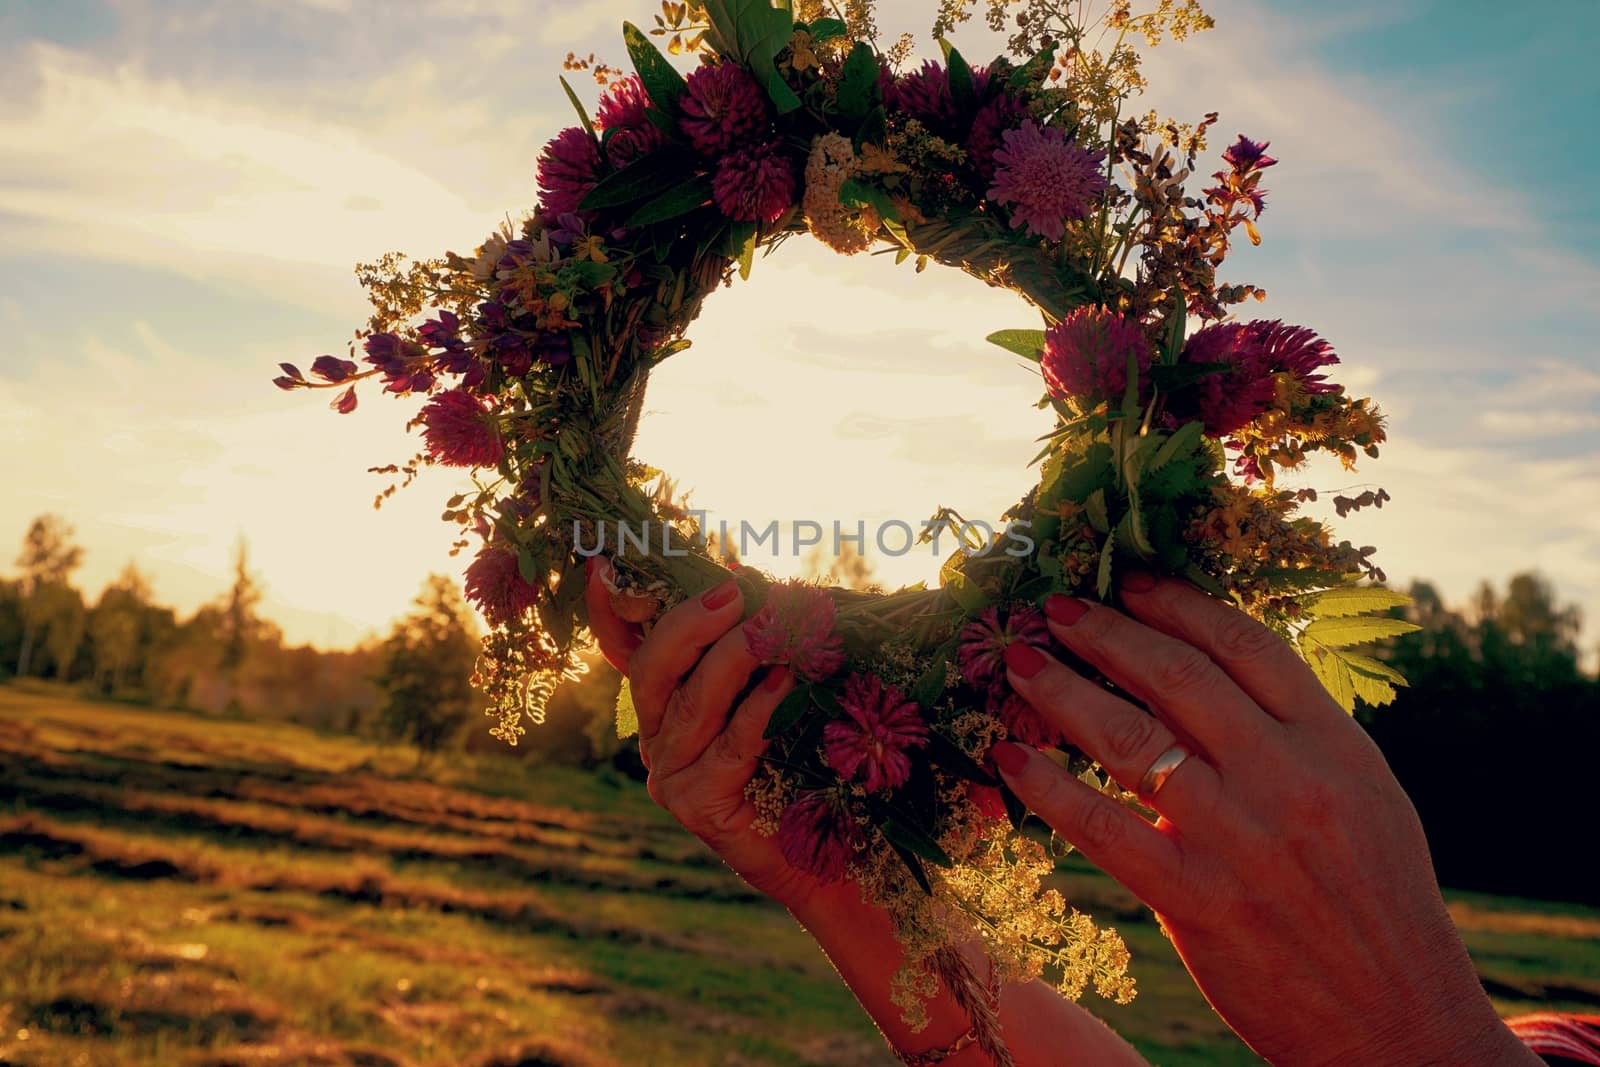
494 583
994 118
1086 356
925 94
818 835
795 626
1255 353
754 184
621 111
870 742
722 107
458 431
1023 723
1046 179
981 653
569 168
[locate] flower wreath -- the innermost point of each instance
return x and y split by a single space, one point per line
1021 173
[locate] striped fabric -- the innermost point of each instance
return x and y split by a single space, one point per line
1560 1039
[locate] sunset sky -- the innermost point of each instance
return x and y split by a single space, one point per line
184 186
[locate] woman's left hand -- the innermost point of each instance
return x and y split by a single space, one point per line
1287 864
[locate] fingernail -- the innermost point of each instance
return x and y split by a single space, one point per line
1024 660
720 596
1065 610
774 679
1010 758
1138 582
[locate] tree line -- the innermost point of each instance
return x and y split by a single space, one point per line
1494 737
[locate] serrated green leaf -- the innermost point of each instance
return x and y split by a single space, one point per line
1184 439
790 710
1334 675
627 715
1373 668
675 202
1029 344
1103 583
1354 600
1373 691
661 80
1344 632
1095 506
968 595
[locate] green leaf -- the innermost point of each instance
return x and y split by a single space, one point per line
968 595
954 759
675 202
753 32
853 193
914 839
1354 600
1342 633
1205 581
744 234
962 92
1016 810
528 567
1029 344
1334 675
1096 507
644 177
790 710
1185 439
858 83
1373 668
913 864
627 715
660 78
1103 584
1169 379
577 105
929 686
824 30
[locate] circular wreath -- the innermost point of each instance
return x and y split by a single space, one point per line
1165 456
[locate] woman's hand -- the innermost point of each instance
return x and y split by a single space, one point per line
1287 865
700 749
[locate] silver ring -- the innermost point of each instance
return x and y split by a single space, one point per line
1162 769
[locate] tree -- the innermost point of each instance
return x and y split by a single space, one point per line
425 669
120 631
239 624
47 561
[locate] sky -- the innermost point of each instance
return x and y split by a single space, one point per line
186 184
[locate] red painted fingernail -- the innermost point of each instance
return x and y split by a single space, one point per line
774 679
720 596
1138 582
1065 610
1024 660
1009 757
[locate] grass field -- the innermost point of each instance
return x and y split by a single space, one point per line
184 890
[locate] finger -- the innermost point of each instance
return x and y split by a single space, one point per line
618 639
697 711
1176 680
675 645
1111 835
1260 662
1124 739
731 758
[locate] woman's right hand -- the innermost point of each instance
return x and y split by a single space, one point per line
701 750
